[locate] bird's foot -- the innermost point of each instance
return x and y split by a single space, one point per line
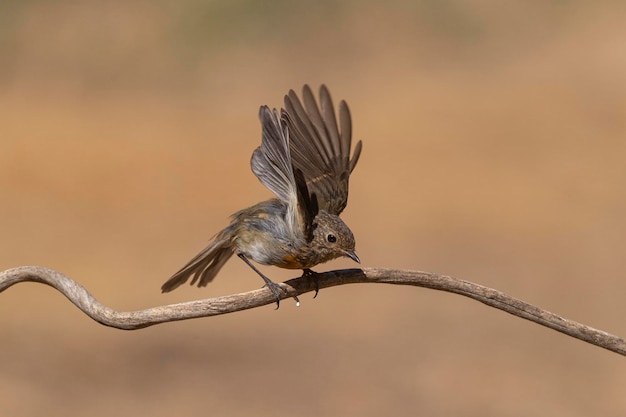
276 289
309 273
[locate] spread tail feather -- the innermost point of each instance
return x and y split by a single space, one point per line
205 265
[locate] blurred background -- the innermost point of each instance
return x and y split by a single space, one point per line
494 146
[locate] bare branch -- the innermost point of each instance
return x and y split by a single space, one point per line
78 295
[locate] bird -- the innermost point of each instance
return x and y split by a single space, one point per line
305 160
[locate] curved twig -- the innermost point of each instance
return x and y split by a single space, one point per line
78 295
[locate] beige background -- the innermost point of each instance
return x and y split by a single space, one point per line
494 146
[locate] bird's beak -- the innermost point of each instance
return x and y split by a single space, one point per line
352 255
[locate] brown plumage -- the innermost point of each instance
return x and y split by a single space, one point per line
304 159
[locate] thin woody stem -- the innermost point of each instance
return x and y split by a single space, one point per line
82 299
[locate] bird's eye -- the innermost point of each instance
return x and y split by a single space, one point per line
331 238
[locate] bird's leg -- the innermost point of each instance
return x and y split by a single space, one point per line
309 273
274 287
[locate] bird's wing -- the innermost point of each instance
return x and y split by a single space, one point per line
272 164
320 148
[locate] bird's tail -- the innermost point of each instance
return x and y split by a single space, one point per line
206 264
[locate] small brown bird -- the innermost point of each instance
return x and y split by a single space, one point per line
304 159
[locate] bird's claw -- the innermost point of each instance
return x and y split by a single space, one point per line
309 273
275 289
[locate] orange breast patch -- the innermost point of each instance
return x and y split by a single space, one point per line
290 262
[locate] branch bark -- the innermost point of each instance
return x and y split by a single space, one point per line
133 320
